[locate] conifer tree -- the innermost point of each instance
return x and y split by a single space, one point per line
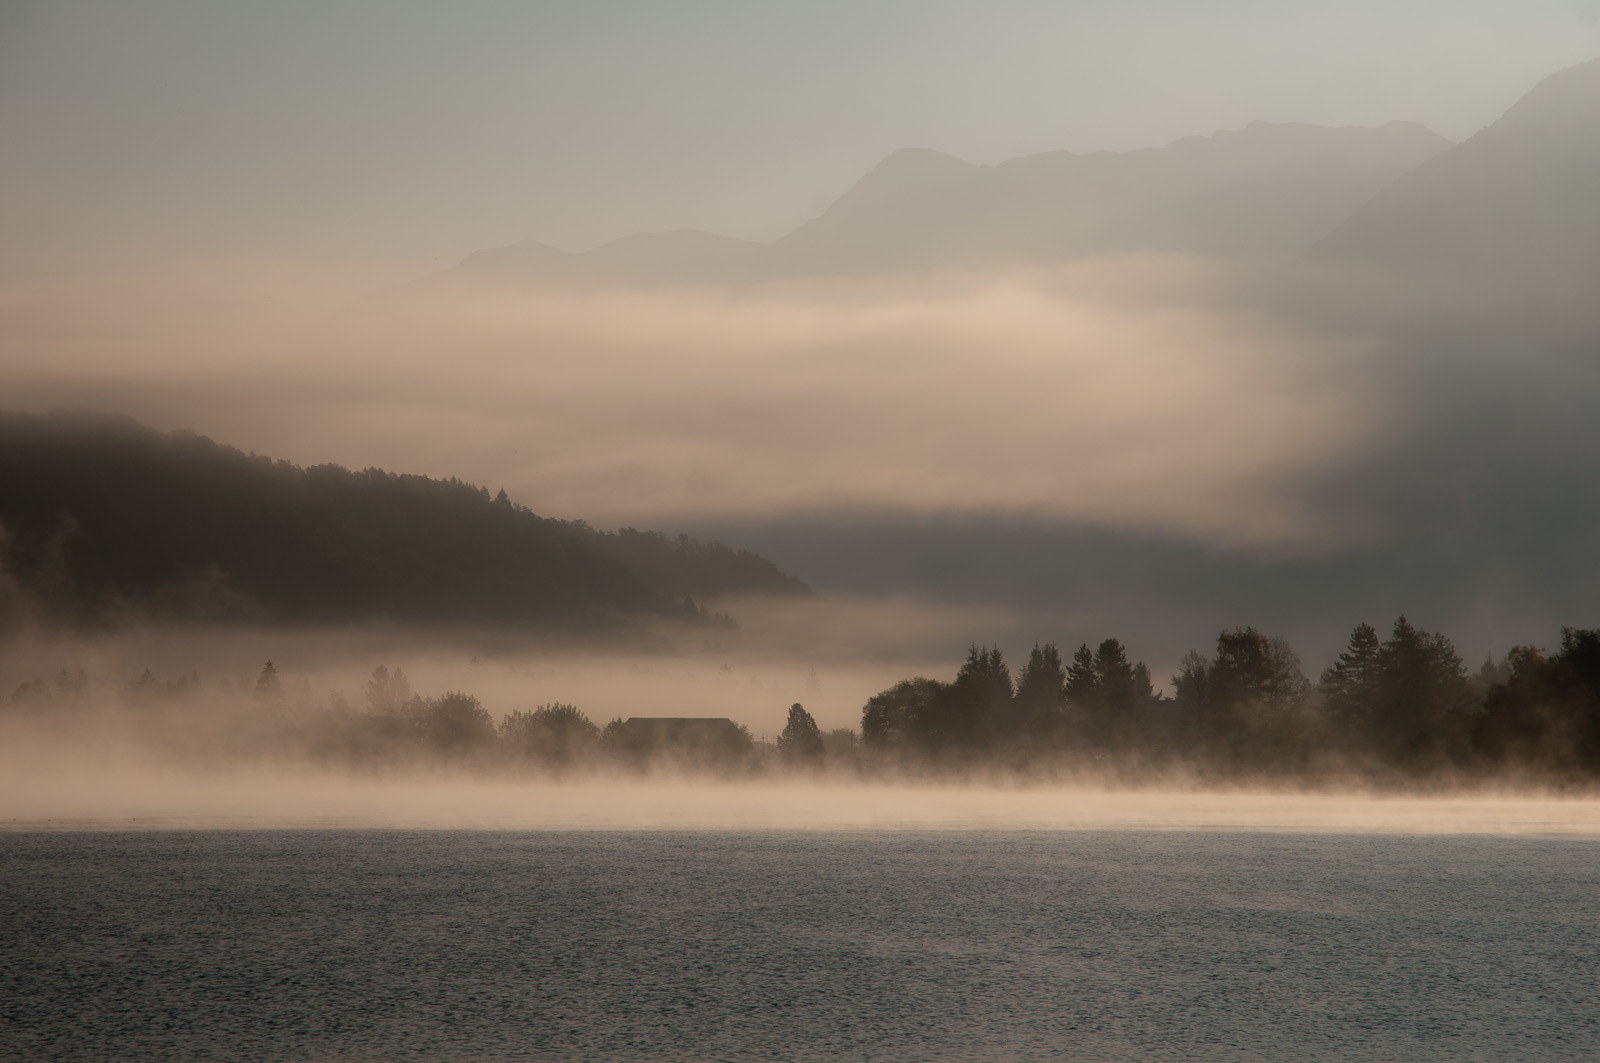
1349 689
269 687
801 740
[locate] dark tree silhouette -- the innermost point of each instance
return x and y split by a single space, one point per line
1118 711
1083 681
978 704
801 740
1191 689
554 735
1544 715
1041 695
1422 715
907 717
455 723
1255 703
1349 689
387 691
269 687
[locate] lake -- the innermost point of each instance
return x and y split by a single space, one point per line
794 945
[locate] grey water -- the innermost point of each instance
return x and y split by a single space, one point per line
459 945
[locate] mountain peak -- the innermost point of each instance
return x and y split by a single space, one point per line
926 161
1566 104
1516 201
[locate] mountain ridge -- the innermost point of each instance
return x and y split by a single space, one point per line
104 519
1265 191
1518 199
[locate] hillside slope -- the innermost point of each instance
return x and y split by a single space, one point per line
1520 199
104 520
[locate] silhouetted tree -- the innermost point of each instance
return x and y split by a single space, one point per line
555 735
801 740
1120 704
1577 668
1083 682
1422 715
1255 705
456 722
978 705
611 735
906 717
145 688
1545 716
269 687
1041 694
1349 689
1191 688
387 691
839 745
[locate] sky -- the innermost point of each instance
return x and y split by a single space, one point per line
392 138
213 217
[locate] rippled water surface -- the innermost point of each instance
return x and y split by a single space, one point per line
390 945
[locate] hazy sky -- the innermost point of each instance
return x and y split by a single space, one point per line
199 201
400 135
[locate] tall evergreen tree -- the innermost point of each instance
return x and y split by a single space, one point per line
1044 678
1083 681
980 702
1349 689
1422 716
1254 707
1191 684
269 687
1041 694
387 691
801 740
1118 707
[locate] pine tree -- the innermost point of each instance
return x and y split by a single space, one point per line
1118 712
801 740
1421 705
1041 694
1043 682
1191 686
1349 689
1083 681
981 699
269 687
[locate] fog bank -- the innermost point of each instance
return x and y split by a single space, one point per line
1116 392
101 798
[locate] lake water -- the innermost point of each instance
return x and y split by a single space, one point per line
783 945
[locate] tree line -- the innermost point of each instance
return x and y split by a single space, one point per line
1397 709
1404 706
395 726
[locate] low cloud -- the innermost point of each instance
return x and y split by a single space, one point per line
1113 393
1152 448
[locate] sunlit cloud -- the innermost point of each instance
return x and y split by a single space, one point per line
1109 393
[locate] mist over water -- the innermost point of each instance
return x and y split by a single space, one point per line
100 796
217 756
1029 605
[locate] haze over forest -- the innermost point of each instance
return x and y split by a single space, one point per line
1284 345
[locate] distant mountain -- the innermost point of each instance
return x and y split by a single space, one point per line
1264 192
1519 202
102 519
1267 191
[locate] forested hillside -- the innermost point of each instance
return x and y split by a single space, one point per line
105 520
